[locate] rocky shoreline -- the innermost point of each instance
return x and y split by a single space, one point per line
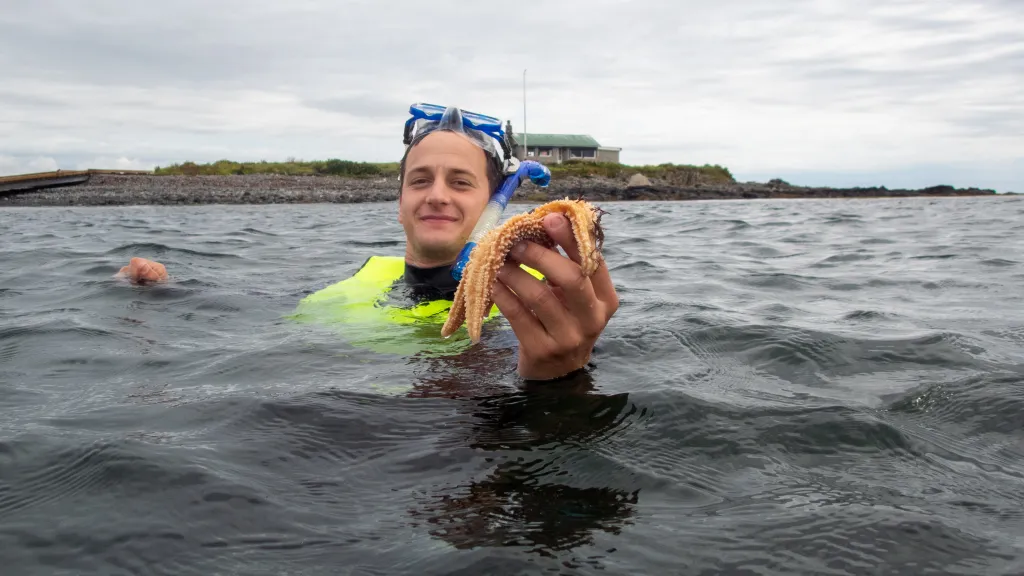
120 190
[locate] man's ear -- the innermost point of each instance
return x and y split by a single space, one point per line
400 208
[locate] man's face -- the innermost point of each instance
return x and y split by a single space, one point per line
443 194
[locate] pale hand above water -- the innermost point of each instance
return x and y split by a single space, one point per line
140 270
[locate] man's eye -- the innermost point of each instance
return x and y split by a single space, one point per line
419 181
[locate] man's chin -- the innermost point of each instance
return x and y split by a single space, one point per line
440 251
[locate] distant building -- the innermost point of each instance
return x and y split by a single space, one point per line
557 148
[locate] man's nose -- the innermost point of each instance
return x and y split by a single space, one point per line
439 192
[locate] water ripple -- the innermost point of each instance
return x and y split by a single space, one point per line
820 387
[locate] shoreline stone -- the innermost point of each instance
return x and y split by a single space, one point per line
124 190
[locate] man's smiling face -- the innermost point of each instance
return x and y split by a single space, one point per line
444 191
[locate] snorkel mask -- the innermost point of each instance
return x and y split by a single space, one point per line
486 132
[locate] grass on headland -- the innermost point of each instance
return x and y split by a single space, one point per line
331 167
334 167
710 172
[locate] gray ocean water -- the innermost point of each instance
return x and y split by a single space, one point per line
789 387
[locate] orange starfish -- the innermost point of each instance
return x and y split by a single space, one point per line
473 296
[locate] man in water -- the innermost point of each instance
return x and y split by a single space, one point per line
446 181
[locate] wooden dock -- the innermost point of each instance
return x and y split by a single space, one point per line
41 180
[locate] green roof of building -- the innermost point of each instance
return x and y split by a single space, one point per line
558 140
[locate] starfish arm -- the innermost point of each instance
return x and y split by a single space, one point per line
473 295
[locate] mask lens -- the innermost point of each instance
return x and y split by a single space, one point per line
484 130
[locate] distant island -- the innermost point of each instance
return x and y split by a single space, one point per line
342 181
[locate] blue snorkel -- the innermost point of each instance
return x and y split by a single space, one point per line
485 131
537 172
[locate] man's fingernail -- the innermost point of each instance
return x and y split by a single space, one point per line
519 248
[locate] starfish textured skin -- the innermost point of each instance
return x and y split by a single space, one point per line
473 295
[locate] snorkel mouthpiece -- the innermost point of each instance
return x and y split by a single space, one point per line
535 171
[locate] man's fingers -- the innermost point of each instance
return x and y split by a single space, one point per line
560 230
535 295
604 289
577 292
559 294
525 325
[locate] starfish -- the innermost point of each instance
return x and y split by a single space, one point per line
473 295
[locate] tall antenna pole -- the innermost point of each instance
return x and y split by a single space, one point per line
526 148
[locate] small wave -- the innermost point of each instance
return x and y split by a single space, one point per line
934 257
804 238
146 295
779 309
344 428
836 259
319 225
843 219
255 231
217 304
999 262
1014 333
685 231
51 329
762 251
633 241
834 430
810 357
777 281
156 250
8 350
374 244
47 475
638 266
876 282
983 403
104 269
869 315
546 417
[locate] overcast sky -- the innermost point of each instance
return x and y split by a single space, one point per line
851 92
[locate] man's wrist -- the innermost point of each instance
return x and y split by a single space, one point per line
572 375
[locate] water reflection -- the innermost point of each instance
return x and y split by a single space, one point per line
507 509
538 437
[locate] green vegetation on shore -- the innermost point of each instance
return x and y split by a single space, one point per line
334 167
291 168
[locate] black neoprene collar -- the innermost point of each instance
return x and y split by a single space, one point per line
434 283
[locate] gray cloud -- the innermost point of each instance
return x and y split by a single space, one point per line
870 87
365 104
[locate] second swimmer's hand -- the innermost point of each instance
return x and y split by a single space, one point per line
140 270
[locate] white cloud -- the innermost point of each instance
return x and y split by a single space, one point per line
10 165
110 163
883 87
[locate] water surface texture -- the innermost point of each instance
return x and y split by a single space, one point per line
789 387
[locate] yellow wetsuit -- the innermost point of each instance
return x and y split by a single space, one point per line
359 306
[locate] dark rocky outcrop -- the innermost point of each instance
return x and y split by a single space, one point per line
104 189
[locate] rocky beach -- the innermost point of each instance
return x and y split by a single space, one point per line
114 189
